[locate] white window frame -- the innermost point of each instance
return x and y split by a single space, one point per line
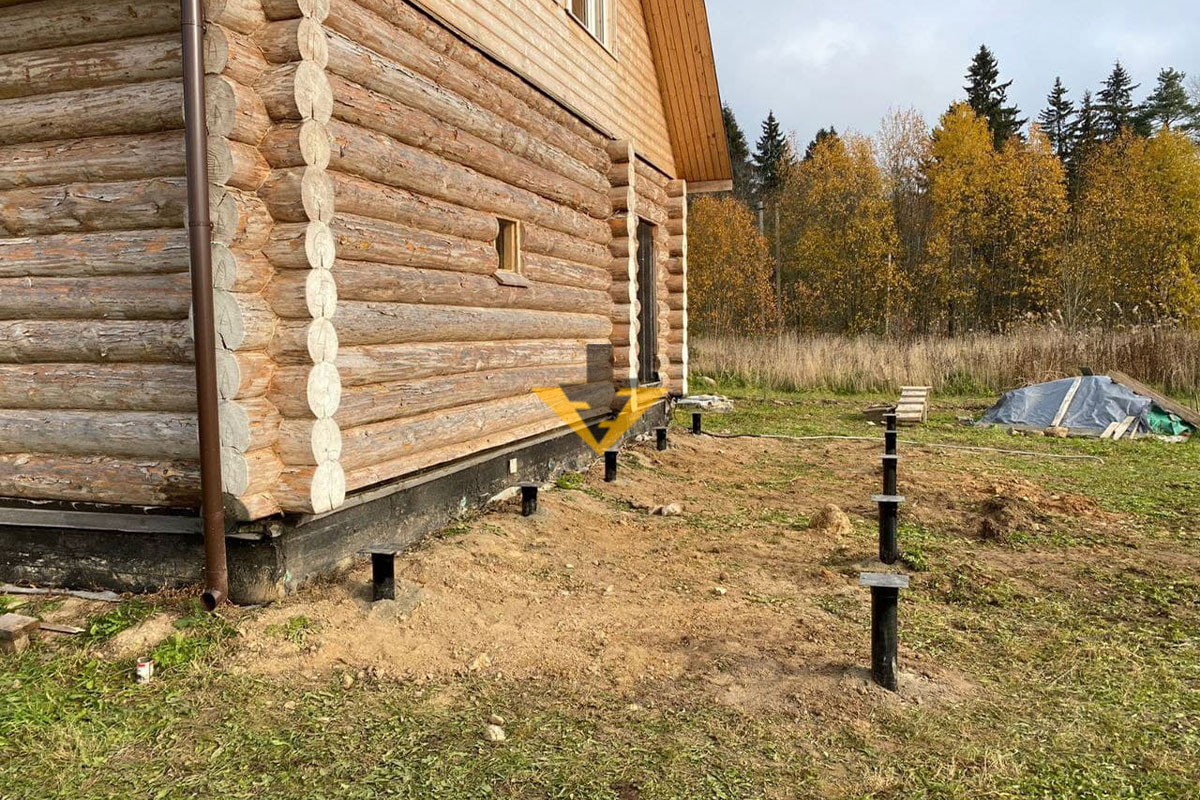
595 17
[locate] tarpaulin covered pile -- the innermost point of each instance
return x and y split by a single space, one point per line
1092 403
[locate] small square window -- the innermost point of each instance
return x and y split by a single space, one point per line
508 248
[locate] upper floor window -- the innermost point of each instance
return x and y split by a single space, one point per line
594 16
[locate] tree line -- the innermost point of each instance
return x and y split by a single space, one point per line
1088 215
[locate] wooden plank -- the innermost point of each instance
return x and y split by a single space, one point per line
1109 431
1124 427
1188 415
1066 403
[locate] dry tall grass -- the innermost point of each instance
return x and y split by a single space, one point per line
1168 358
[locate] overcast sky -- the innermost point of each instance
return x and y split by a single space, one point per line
847 62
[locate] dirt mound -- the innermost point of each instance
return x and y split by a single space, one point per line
831 521
1020 507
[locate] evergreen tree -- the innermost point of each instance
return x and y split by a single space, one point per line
1058 120
1169 106
989 98
1116 106
821 136
739 155
772 157
1087 136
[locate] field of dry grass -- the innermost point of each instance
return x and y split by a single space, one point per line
1168 358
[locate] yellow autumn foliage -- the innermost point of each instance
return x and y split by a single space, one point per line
730 270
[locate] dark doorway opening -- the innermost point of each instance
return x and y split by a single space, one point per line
648 300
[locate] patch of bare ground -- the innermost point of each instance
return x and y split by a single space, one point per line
730 597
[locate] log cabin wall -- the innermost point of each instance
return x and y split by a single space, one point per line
431 145
361 157
97 392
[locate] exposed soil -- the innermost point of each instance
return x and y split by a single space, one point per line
738 596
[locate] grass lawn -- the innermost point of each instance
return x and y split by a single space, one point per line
1060 656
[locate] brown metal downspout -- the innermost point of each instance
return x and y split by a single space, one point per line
216 569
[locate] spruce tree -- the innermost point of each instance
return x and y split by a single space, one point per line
1117 110
989 98
822 135
739 155
772 157
1058 120
1169 105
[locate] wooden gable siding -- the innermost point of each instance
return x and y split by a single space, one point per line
682 47
617 90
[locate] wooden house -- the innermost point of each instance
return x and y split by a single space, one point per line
420 211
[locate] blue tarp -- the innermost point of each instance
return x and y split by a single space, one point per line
1097 404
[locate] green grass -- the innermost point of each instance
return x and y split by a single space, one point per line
1082 660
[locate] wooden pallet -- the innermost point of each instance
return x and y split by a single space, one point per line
913 408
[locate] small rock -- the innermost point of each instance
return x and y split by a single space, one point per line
481 662
1058 433
347 680
290 705
720 591
608 590
494 733
570 566
497 720
672 510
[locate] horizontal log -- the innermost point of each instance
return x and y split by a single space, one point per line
415 128
384 442
234 111
101 387
676 284
300 194
392 323
297 144
365 239
126 205
236 164
248 425
91 433
677 226
309 442
256 472
142 297
371 364
303 294
378 201
89 66
301 342
364 68
676 302
311 490
363 405
296 92
244 374
240 270
380 158
546 242
240 220
651 176
243 321
111 110
93 160
301 246
406 37
85 254
232 54
100 479
36 341
249 508
386 283
243 16
289 9
564 273
300 39
63 23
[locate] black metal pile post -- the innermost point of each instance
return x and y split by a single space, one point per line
529 499
610 465
661 437
890 501
885 602
697 423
